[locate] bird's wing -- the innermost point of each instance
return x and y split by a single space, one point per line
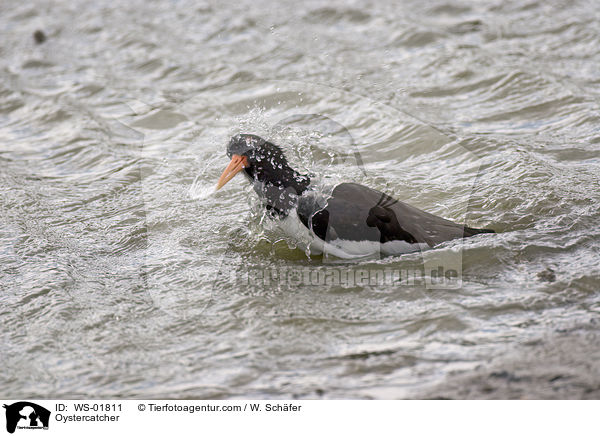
358 213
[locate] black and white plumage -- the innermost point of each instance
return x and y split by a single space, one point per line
353 221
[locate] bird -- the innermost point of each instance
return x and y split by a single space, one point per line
351 221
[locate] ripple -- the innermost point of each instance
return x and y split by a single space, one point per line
328 15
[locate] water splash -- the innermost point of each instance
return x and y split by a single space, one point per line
200 191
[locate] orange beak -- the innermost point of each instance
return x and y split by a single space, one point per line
237 164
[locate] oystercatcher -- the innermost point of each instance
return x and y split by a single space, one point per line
352 221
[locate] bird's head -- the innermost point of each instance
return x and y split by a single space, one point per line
261 161
267 168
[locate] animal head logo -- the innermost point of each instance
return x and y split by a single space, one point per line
25 414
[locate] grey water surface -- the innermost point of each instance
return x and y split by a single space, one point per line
122 274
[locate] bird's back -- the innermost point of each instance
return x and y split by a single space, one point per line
358 213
